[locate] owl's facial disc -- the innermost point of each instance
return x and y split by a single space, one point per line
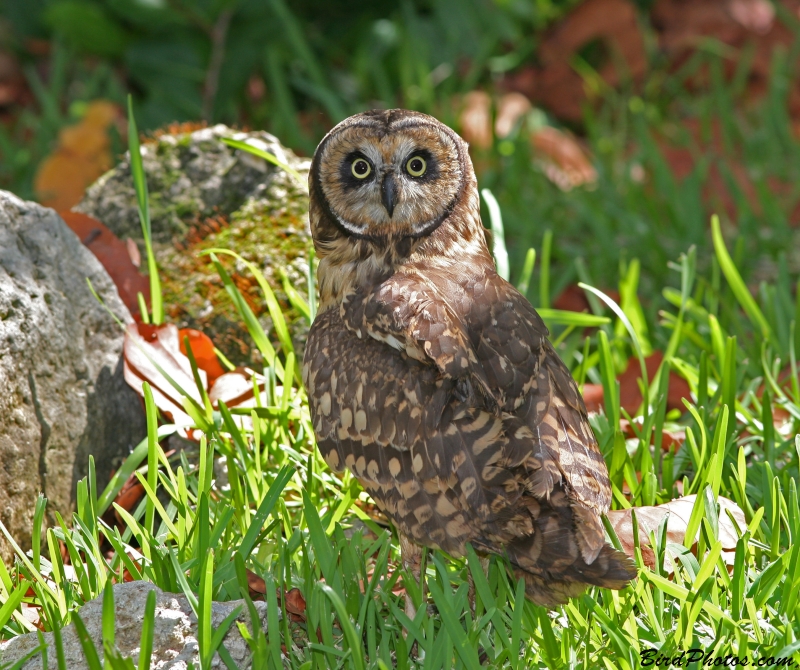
401 180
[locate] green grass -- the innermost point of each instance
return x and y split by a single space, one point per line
286 517
719 300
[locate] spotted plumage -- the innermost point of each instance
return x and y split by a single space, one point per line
431 378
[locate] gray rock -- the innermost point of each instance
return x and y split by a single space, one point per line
204 195
191 176
62 393
174 632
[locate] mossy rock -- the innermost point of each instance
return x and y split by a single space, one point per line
206 195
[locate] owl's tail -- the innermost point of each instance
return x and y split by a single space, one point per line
555 560
611 569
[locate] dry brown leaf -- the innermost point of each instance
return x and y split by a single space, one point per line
292 599
755 15
130 494
671 440
510 109
561 157
573 298
475 120
255 584
679 511
82 155
295 605
133 252
13 89
114 255
556 84
630 396
147 347
752 25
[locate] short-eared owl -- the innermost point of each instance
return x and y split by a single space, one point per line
432 379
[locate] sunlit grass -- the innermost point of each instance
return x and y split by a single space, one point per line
283 515
257 495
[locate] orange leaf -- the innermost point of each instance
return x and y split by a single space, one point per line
203 350
629 395
82 155
131 493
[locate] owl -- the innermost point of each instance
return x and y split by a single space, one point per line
431 378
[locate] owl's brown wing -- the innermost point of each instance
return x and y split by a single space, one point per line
445 470
390 420
483 332
511 342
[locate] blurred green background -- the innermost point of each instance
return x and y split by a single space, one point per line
645 117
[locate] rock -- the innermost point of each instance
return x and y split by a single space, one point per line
62 393
205 195
174 636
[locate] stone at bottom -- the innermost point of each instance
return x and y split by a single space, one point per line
174 639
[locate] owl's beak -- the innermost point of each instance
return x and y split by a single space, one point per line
388 193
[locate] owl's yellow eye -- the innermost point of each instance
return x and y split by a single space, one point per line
416 166
361 168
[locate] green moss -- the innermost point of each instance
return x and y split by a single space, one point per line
270 237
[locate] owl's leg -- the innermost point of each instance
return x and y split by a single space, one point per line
411 557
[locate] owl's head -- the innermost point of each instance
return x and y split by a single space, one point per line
388 175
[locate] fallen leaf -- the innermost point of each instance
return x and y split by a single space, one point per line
292 600
671 440
236 389
133 252
130 494
573 299
630 396
510 109
295 604
256 88
255 584
593 397
755 15
13 89
475 120
113 254
683 26
561 157
155 354
32 614
82 155
679 511
203 352
148 348
556 84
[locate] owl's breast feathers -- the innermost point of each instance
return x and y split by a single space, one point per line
444 397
